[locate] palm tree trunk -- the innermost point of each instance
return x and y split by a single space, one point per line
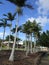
34 44
27 46
9 35
17 42
3 37
31 42
3 33
11 58
25 43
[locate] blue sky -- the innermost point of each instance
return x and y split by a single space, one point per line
40 14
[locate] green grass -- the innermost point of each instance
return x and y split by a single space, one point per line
48 57
5 48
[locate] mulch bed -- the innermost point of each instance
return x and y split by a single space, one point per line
20 58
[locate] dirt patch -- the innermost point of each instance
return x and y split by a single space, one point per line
19 59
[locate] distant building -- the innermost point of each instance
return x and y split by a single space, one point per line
19 44
41 48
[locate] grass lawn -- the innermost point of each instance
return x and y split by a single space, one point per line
11 49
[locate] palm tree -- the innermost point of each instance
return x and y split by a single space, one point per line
4 24
20 4
12 38
26 28
36 31
13 31
10 18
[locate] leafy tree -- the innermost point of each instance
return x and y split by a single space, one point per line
12 38
44 39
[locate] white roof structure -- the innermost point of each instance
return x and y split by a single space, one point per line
5 42
19 42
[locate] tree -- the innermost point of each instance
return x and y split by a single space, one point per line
14 29
32 28
4 24
12 38
36 28
26 28
27 43
10 18
47 32
44 39
20 4
0 42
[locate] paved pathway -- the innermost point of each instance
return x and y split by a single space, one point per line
45 60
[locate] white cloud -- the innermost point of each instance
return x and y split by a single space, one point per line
41 20
1 34
43 7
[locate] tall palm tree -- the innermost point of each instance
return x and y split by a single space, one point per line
36 31
26 28
14 29
20 4
10 18
4 24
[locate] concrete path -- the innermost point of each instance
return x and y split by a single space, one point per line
45 60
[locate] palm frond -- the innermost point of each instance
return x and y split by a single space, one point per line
8 25
29 6
1 19
9 14
4 15
1 24
13 30
1 3
18 2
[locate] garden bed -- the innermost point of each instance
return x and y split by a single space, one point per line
20 58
